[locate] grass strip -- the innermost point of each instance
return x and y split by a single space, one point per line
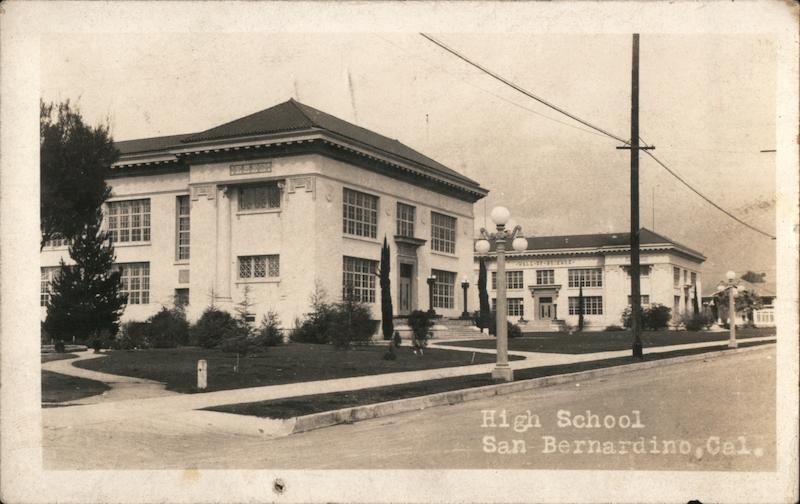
49 357
317 403
291 363
606 341
57 387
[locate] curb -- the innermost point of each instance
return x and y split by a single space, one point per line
357 413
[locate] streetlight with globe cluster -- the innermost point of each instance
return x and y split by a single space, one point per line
500 216
732 288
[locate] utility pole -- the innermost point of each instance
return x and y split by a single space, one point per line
635 271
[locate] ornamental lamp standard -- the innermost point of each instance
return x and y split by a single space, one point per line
431 281
465 286
731 287
500 216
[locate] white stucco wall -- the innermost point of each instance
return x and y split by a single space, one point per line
306 232
658 285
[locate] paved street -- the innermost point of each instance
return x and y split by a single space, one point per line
665 411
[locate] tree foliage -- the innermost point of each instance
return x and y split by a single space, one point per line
580 307
745 302
483 296
86 299
387 321
75 160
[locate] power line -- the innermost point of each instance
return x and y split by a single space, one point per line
524 91
499 97
596 128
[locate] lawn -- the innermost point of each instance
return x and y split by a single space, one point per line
295 362
306 405
57 387
47 357
604 341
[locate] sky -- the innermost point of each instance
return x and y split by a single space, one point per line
707 103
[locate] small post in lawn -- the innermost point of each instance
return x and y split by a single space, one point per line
202 374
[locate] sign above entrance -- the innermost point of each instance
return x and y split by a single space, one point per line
543 262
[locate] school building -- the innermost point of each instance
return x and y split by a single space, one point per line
544 281
278 203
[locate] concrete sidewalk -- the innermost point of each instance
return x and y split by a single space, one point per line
150 408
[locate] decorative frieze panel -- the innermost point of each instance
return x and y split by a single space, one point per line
204 190
307 183
250 168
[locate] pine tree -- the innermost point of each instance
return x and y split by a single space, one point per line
86 301
75 160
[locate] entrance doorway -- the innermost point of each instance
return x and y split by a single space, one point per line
546 309
406 278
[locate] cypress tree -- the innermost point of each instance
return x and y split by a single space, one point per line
483 295
580 307
387 324
85 300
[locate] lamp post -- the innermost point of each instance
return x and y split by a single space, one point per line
500 216
731 287
431 282
465 286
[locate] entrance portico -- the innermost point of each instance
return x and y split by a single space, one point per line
545 301
407 273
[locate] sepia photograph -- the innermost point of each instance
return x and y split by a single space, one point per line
414 252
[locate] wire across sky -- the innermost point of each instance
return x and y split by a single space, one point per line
594 127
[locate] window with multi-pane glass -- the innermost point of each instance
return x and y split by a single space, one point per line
259 266
48 275
443 233
359 214
405 220
358 279
56 240
443 288
676 276
182 224
129 221
545 277
513 280
644 298
135 282
514 307
260 196
592 305
585 277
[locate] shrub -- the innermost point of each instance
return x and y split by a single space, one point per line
269 332
697 322
397 340
59 346
614 327
420 323
343 324
133 335
214 326
512 330
315 327
351 323
658 316
168 328
654 317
